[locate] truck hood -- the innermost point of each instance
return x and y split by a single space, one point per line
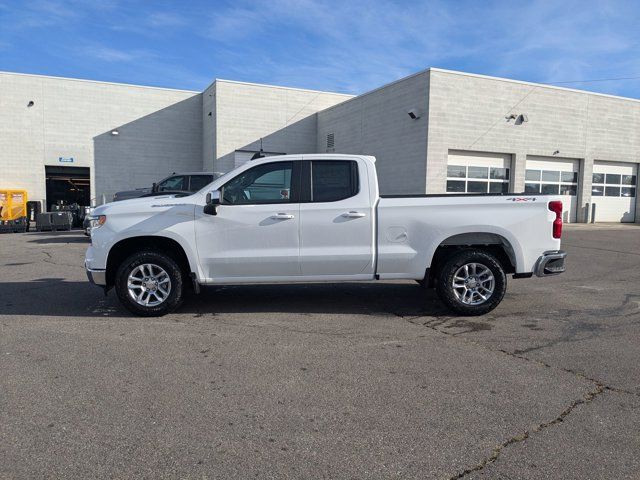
145 216
149 205
135 204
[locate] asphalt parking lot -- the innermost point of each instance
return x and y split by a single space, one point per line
372 380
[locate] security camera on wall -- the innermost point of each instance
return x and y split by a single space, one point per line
414 114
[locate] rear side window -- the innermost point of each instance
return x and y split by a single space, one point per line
199 181
333 180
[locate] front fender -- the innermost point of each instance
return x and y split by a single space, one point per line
175 222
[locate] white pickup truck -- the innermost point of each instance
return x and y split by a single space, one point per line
320 218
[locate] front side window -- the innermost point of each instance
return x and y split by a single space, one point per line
333 180
172 184
268 183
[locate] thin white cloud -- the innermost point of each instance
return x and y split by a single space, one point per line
166 19
235 24
41 13
109 54
349 46
359 44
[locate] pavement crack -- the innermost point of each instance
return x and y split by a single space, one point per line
62 264
598 389
434 324
51 261
521 437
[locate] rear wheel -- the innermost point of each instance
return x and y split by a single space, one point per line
471 282
149 284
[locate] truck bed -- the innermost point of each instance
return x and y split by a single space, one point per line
411 228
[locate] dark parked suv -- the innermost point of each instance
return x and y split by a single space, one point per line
175 183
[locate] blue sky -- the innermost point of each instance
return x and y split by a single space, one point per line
345 46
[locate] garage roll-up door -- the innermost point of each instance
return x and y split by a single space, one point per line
555 176
614 191
478 172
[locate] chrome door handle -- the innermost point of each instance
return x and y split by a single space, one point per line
354 215
282 216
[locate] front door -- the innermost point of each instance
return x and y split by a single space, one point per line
336 228
254 235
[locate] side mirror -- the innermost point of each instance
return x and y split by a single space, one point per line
213 200
154 188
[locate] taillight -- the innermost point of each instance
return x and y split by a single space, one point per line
556 207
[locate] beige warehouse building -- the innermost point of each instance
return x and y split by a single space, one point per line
436 131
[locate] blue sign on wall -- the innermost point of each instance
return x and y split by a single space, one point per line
65 159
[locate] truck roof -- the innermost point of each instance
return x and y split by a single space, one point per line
190 173
315 156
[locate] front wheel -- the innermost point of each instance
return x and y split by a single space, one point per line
149 284
471 282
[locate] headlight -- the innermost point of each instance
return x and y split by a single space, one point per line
96 221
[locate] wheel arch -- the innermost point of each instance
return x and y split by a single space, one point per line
128 246
494 243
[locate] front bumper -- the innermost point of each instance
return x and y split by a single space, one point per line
97 277
550 263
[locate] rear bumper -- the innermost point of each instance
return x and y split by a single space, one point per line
97 277
550 263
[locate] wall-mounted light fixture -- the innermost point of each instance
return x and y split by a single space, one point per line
31 103
414 114
209 114
115 132
519 119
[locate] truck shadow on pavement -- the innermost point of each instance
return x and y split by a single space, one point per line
73 236
60 297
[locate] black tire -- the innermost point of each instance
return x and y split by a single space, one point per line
162 260
450 296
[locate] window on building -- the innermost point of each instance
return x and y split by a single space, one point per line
613 185
477 179
550 182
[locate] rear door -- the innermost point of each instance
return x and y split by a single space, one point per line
336 219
